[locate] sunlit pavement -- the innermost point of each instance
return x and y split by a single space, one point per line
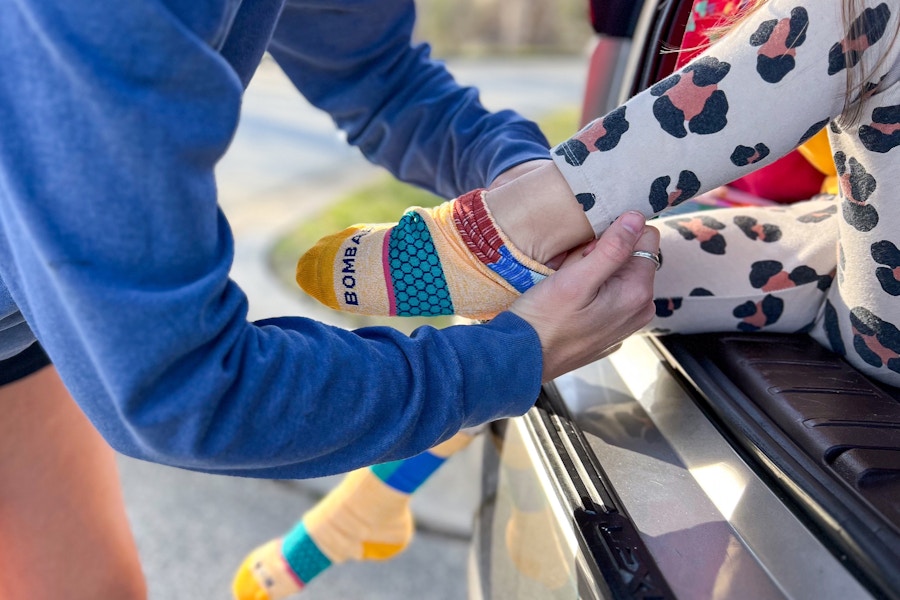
287 161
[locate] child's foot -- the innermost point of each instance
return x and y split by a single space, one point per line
451 259
361 519
366 517
265 575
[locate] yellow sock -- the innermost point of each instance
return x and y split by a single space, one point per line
365 517
451 259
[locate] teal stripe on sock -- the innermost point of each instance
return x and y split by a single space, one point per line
303 555
420 288
407 475
385 470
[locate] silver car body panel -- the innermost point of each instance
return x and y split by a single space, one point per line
714 527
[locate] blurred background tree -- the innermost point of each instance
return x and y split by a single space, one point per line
508 27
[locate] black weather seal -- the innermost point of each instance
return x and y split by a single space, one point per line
621 556
605 530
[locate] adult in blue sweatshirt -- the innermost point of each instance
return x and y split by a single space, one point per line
115 255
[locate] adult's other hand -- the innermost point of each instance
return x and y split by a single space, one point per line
599 296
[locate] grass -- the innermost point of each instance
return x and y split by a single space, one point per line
382 201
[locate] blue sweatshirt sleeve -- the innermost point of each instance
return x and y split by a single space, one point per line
403 110
114 248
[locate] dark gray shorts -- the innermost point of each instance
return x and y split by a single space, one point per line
23 364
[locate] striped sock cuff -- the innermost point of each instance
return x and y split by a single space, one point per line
487 243
407 475
303 555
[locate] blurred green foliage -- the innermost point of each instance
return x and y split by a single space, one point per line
477 27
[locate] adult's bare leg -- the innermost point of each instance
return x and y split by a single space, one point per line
63 528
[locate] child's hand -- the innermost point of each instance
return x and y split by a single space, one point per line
600 296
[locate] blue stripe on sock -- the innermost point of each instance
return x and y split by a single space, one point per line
407 475
384 470
518 275
302 554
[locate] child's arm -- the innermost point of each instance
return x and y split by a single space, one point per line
766 87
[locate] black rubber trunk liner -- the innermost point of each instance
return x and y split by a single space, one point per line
824 432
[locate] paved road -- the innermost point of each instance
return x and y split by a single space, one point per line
286 162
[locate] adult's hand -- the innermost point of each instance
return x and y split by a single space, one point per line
599 296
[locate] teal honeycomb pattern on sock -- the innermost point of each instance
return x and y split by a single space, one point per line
420 288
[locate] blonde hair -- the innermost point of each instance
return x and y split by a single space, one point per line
857 79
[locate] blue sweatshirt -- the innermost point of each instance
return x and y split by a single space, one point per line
113 247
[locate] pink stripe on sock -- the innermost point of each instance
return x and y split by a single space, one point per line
386 265
290 572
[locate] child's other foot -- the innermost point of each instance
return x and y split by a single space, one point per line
265 575
451 259
365 517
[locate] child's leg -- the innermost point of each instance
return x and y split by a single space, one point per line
366 517
742 265
63 528
746 269
452 259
